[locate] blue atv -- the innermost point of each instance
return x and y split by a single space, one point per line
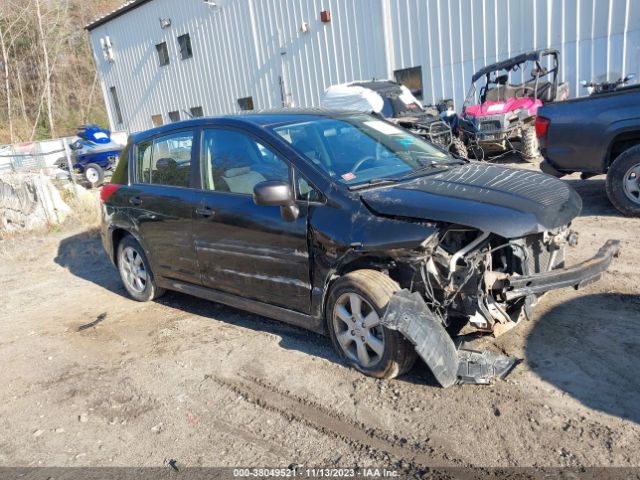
94 153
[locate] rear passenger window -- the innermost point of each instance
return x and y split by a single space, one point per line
166 161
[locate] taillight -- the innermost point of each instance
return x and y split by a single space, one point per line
108 189
542 126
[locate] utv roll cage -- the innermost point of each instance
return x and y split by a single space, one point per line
513 64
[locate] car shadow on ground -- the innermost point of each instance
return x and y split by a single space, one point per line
83 256
589 347
594 197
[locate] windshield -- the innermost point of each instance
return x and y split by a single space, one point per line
357 149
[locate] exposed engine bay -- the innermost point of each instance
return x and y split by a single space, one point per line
468 281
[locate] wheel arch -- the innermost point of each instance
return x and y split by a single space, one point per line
621 142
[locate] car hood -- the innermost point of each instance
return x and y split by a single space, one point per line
508 202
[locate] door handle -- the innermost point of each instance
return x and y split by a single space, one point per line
135 201
205 212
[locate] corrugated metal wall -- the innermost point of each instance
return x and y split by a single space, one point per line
244 47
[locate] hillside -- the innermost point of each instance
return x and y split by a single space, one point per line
48 82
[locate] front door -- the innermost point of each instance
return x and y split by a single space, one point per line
162 203
242 248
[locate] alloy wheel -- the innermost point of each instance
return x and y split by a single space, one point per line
133 270
358 330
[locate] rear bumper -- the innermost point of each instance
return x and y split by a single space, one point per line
549 169
576 276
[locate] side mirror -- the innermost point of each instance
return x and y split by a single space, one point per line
277 194
77 145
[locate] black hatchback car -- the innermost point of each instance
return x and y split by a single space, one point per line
322 219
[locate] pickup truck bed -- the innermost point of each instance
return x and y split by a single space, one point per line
599 134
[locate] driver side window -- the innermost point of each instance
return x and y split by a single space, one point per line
235 162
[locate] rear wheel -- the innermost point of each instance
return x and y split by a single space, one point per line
355 306
530 150
135 271
458 147
623 182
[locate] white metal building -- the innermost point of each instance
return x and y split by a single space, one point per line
164 60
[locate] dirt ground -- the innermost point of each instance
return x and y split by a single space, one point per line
91 378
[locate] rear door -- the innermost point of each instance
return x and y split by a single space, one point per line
242 248
162 202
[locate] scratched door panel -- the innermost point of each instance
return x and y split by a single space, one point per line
251 251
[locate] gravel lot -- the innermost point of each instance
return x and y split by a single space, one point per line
92 378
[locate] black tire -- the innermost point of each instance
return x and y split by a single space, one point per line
619 172
150 291
459 148
94 174
530 150
376 289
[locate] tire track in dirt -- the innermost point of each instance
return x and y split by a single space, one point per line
333 424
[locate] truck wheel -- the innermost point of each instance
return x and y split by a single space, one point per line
135 271
94 174
530 151
355 306
459 148
623 182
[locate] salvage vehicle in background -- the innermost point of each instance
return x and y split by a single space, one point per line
94 154
508 101
595 88
344 224
397 104
598 134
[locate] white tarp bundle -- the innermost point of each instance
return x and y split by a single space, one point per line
352 97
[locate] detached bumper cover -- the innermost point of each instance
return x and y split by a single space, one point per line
576 276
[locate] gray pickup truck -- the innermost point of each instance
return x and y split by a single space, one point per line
598 134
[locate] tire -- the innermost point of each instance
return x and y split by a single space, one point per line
130 255
530 151
459 148
94 174
391 355
623 182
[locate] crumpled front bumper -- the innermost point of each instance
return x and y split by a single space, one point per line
576 276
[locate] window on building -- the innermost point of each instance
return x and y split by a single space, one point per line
174 116
196 112
184 41
116 104
246 103
167 161
163 54
157 120
410 78
235 162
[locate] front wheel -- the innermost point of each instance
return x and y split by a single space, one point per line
355 306
135 271
623 182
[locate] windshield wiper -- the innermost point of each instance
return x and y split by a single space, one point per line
374 182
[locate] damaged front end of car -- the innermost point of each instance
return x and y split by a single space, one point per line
463 281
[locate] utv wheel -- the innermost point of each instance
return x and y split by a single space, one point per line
355 306
530 151
94 174
135 272
459 148
623 182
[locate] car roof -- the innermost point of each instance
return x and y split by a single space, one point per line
264 118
